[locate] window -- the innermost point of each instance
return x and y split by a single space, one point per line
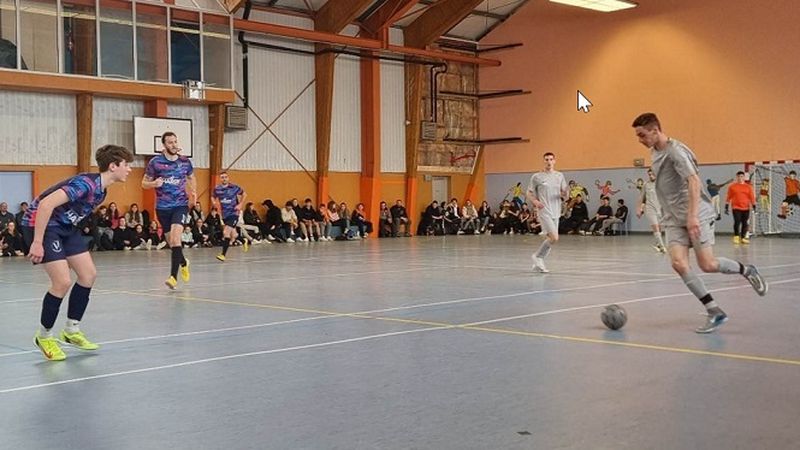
217 51
39 35
80 37
185 45
151 43
8 34
116 39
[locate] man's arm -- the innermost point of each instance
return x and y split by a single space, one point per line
192 183
241 197
692 220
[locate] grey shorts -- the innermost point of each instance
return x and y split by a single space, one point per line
653 217
680 235
549 224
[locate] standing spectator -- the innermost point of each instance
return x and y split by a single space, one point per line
134 217
360 219
400 217
741 198
23 207
11 241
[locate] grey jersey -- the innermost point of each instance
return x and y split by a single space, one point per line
672 166
649 196
548 187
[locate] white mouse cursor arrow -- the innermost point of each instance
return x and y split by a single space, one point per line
583 102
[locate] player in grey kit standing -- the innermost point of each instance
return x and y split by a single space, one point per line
688 217
651 209
546 190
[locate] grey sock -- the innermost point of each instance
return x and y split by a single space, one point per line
659 240
729 266
544 249
695 284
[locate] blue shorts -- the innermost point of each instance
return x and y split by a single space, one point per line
59 242
231 221
175 216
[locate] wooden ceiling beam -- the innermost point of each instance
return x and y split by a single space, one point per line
436 20
387 15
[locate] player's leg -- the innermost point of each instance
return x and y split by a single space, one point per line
652 217
678 242
83 265
717 264
550 228
715 204
744 219
737 224
226 241
60 281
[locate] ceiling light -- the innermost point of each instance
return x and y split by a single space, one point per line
599 5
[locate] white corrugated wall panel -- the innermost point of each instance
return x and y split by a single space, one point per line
346 119
37 129
278 80
199 116
112 123
393 117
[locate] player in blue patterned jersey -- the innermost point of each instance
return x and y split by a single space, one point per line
229 199
170 173
50 227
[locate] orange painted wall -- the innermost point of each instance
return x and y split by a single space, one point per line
721 75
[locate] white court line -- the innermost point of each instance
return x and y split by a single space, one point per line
318 345
636 300
221 358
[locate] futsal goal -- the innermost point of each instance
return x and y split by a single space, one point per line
773 215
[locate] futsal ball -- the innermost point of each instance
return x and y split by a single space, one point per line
614 317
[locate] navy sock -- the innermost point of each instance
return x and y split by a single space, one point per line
78 300
50 306
177 258
225 244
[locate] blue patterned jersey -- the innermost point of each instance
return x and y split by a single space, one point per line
85 193
171 194
227 197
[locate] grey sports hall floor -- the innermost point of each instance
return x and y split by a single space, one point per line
434 343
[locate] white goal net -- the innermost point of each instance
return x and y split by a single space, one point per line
776 213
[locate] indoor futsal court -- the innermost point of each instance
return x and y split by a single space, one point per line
399 224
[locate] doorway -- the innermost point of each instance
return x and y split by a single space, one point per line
440 189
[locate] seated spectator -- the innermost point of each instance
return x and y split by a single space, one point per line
11 241
534 225
620 217
452 217
196 213
5 216
200 234
513 217
214 223
86 225
574 217
141 239
469 217
324 219
289 222
113 215
253 222
134 217
273 222
187 237
123 236
503 220
432 220
344 213
484 216
336 220
103 232
155 235
247 233
309 226
400 217
385 220
524 219
603 213
359 218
